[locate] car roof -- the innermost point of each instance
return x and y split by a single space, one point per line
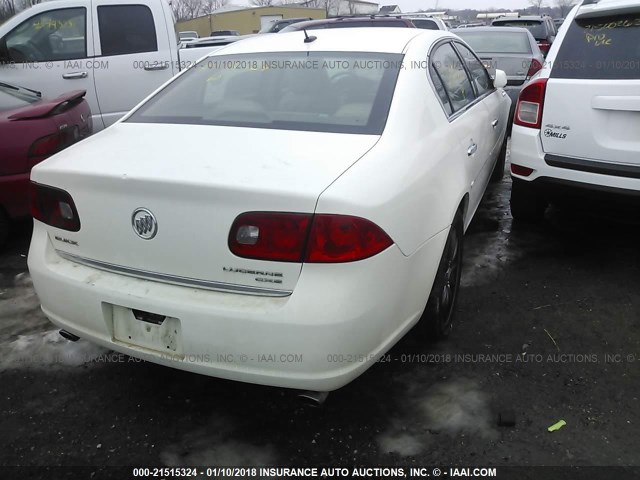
501 30
516 19
363 18
359 39
604 7
292 19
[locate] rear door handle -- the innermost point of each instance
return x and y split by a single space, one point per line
473 148
494 124
75 75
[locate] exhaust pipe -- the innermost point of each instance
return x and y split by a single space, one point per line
313 399
69 336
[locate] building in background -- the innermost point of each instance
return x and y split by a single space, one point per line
337 8
247 20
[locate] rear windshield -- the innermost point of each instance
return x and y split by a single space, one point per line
425 24
15 97
600 48
497 42
310 91
535 27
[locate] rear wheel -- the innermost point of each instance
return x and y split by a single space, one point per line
498 170
438 315
4 226
527 205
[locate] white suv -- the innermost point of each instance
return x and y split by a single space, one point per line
577 122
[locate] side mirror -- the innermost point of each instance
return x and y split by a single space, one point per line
500 80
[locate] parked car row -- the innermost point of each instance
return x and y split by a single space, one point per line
116 53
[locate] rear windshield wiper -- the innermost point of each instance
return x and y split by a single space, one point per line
14 87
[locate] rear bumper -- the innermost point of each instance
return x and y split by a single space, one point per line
526 151
338 321
14 195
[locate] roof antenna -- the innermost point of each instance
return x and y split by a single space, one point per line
307 38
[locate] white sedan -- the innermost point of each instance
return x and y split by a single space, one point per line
280 214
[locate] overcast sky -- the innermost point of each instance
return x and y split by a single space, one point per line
414 5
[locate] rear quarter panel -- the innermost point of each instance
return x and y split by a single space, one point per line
409 183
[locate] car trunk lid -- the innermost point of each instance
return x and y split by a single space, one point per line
195 180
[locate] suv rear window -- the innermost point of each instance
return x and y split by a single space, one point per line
425 24
605 48
537 28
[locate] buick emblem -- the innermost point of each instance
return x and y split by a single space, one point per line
144 223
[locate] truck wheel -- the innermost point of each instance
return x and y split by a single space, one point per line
498 170
438 314
526 204
4 227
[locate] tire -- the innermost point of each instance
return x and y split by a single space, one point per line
498 170
527 205
4 227
438 314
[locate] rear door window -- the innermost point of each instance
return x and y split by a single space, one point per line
126 29
453 75
481 79
604 48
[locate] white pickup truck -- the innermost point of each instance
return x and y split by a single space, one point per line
119 51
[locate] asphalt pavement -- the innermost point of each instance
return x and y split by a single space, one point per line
547 328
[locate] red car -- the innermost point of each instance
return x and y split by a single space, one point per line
32 129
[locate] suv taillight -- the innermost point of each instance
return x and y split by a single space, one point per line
54 207
296 237
534 68
530 104
544 47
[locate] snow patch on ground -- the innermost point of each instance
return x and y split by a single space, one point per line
458 406
455 407
47 350
215 443
28 339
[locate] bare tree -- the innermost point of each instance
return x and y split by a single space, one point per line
564 6
328 5
209 6
537 4
7 9
261 3
187 9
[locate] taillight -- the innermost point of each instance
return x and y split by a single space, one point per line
520 170
534 68
544 47
54 207
296 237
530 104
46 146
50 144
270 236
342 238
